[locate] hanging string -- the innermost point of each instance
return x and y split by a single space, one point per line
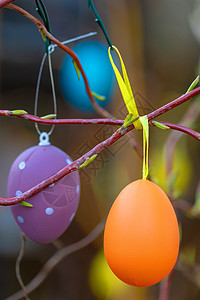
80 37
37 90
38 87
53 90
51 49
41 9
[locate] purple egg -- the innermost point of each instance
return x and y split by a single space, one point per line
54 207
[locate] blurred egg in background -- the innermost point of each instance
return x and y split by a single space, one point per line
161 56
93 56
102 281
105 285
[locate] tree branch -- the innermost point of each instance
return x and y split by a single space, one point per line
5 2
74 166
40 120
173 104
181 128
56 259
160 111
187 120
59 255
165 286
100 110
18 263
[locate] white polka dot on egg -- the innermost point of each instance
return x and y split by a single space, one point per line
49 211
22 165
20 219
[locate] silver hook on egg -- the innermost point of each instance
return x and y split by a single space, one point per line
44 139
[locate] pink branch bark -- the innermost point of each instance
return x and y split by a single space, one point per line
100 110
35 119
97 149
165 286
74 166
173 104
156 113
181 128
55 259
5 2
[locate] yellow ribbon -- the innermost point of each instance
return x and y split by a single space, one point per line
141 122
145 125
125 88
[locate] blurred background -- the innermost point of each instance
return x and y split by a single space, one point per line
159 42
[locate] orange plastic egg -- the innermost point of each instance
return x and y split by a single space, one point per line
141 238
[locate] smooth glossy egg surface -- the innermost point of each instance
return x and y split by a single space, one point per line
141 238
54 207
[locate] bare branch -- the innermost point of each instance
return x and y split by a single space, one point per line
17 267
165 286
96 150
74 166
183 129
5 2
100 110
188 119
167 107
41 120
57 258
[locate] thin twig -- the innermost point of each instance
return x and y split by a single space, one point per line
57 258
17 267
177 127
5 2
190 272
35 119
74 166
58 244
135 145
165 286
100 110
167 107
188 119
100 22
118 134
181 129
